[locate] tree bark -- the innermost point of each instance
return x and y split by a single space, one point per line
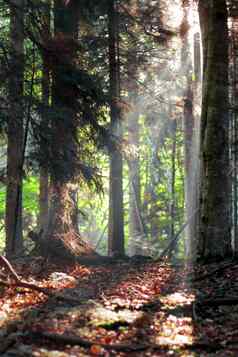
234 130
116 214
44 174
62 237
136 230
215 195
15 130
191 123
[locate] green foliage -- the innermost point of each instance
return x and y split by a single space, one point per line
30 206
30 195
87 77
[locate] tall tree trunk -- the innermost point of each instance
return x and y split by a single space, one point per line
188 120
136 230
188 125
116 214
191 123
215 238
44 174
234 128
15 130
61 234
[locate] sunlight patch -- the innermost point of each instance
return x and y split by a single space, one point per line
178 298
99 316
174 340
175 331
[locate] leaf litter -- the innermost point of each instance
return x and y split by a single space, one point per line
150 309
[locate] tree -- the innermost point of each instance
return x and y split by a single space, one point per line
60 233
45 83
214 238
116 215
136 229
234 124
15 133
191 122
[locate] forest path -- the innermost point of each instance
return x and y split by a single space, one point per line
138 309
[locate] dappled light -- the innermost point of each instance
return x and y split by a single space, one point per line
118 178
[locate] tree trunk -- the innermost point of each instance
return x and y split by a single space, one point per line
188 121
215 195
172 188
116 214
63 240
61 234
136 230
234 126
15 131
191 123
44 174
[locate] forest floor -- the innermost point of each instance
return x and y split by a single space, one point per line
149 309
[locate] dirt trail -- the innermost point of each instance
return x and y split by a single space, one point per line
123 310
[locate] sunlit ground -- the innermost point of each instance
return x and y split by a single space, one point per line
175 330
134 306
150 308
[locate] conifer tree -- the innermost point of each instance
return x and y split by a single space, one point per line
15 132
60 235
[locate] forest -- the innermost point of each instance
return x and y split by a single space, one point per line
118 178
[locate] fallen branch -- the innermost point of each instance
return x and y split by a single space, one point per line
170 247
23 284
49 293
76 340
18 283
7 265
